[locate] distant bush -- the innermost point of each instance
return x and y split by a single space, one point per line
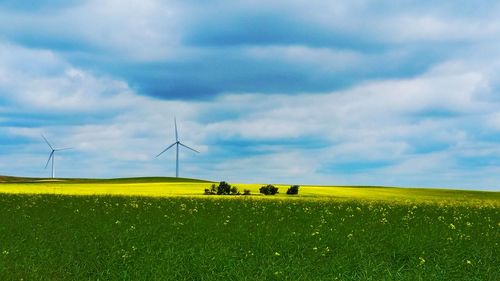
268 189
247 192
223 188
234 191
294 189
211 191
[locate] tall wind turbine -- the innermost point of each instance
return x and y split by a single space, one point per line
177 143
53 155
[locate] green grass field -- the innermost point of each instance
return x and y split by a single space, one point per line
164 229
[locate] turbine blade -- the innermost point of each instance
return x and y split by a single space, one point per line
47 142
66 148
50 156
189 148
176 134
166 149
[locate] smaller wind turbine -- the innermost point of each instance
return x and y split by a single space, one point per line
176 143
53 155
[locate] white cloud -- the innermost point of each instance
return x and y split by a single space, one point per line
139 29
380 109
326 59
143 30
493 121
53 84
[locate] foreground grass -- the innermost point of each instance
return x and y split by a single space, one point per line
54 237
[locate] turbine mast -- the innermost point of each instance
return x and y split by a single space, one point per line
177 160
53 165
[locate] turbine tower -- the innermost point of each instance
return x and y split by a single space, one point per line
176 143
53 155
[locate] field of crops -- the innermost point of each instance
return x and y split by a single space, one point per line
314 236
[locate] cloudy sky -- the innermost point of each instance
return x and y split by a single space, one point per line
319 92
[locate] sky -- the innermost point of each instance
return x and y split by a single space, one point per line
356 92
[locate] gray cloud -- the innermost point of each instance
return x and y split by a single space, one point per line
193 50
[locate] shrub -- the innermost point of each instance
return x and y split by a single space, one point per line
223 188
294 189
211 191
268 189
234 191
246 192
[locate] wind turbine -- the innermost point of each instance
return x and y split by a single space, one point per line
53 155
176 143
